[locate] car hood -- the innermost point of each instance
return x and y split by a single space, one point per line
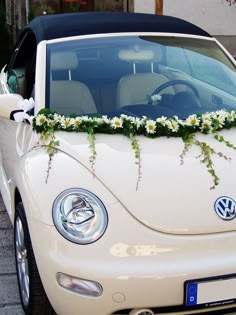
171 197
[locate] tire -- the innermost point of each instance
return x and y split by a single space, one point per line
33 297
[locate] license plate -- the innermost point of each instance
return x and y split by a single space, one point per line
211 291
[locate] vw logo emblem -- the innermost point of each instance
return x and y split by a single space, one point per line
225 207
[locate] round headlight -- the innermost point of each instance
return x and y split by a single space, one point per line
79 216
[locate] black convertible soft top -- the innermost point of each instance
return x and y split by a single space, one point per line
72 24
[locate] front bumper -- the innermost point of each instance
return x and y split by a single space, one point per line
136 266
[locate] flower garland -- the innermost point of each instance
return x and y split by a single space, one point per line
47 122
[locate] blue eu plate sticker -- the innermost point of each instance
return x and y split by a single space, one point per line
191 294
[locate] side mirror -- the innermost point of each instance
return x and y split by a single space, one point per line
8 104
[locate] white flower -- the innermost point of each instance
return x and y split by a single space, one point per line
51 123
123 116
77 122
67 122
221 112
231 116
221 117
206 125
72 121
98 120
116 122
156 98
207 116
106 120
150 126
173 125
56 116
176 118
221 120
138 122
40 119
192 120
131 119
181 122
162 120
85 118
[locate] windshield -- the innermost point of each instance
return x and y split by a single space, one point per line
140 76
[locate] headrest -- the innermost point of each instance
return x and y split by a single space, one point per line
133 55
64 60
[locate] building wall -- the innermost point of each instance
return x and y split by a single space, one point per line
215 16
145 6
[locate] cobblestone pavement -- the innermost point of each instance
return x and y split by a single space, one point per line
9 297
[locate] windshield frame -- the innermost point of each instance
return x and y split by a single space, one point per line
132 34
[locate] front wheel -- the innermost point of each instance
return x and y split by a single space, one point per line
33 297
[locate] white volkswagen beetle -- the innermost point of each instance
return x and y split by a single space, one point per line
118 165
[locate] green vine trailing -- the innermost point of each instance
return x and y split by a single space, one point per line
47 122
48 138
136 148
92 158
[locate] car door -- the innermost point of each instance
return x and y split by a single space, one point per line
19 80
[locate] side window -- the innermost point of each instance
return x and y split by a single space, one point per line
21 69
15 81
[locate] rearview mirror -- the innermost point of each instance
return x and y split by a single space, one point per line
8 104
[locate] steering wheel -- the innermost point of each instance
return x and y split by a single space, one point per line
175 82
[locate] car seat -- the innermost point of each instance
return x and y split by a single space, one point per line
69 96
135 88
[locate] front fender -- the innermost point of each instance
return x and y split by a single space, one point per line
63 172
